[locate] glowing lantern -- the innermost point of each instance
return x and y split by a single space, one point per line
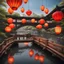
10 11
58 29
31 53
14 4
46 25
41 21
25 1
9 20
11 60
8 29
41 58
23 21
11 26
46 10
42 8
36 57
28 12
22 10
33 20
57 16
26 43
39 26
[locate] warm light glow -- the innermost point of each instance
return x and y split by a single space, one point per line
8 29
10 20
39 26
41 58
12 26
46 25
33 20
10 11
31 53
22 10
58 29
41 21
46 10
42 8
23 21
26 43
36 57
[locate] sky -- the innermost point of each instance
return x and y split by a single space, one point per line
34 5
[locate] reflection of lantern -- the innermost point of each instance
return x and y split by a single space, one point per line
39 26
14 4
33 20
57 16
9 20
41 58
23 21
41 21
22 10
31 53
28 12
25 1
58 29
46 10
36 57
10 11
26 43
11 60
42 8
46 25
11 26
8 29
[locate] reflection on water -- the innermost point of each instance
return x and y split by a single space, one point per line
21 55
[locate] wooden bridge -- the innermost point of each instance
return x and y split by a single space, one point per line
56 49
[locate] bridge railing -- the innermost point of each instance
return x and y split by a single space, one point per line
5 43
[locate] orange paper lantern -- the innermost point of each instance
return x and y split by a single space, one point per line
39 26
41 21
12 26
42 8
58 29
10 11
11 60
33 20
8 29
25 1
31 53
22 10
9 20
23 21
46 25
46 10
14 4
26 43
36 57
41 58
28 12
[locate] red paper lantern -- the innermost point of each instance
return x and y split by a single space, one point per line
23 21
58 29
46 25
28 12
41 58
33 20
10 11
12 26
10 20
42 8
39 26
46 10
36 57
31 53
25 1
11 60
57 16
22 10
41 21
14 4
8 29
